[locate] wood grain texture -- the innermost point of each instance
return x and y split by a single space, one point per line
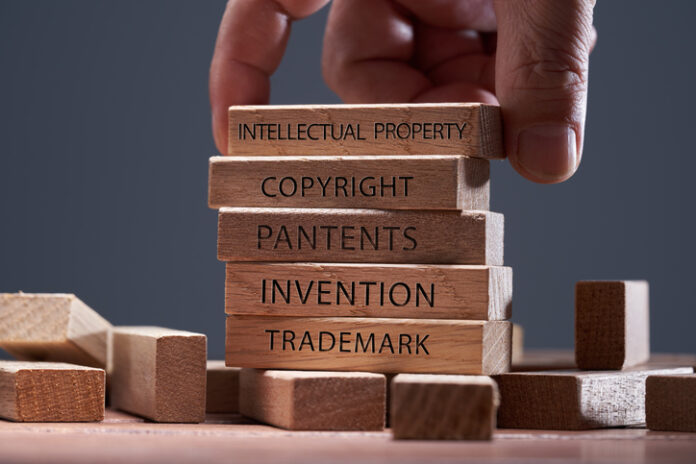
544 359
306 400
443 407
670 403
369 344
159 373
612 324
517 344
576 400
222 388
360 235
369 290
383 182
51 392
469 129
53 327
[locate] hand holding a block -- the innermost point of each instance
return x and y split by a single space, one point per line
427 52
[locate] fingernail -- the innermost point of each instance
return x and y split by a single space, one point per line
548 152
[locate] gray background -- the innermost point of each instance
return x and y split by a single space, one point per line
105 137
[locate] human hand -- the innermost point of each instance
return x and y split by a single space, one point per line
529 56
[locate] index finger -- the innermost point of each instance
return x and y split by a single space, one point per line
250 44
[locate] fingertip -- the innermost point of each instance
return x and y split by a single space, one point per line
546 153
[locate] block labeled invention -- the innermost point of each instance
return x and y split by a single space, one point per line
360 236
369 290
387 182
469 129
369 344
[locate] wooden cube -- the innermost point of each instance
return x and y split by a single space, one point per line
443 407
222 388
670 403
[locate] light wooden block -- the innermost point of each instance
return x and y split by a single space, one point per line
517 344
305 400
612 324
159 373
469 129
576 400
383 182
360 236
53 327
222 388
369 344
51 392
670 403
443 407
369 290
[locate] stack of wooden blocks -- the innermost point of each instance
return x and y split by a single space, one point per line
359 238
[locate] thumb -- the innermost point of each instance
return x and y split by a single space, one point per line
541 82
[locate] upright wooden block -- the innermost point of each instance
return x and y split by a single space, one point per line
52 327
670 403
470 129
517 343
360 236
305 400
443 407
576 400
612 324
222 388
159 373
369 344
51 392
383 182
369 290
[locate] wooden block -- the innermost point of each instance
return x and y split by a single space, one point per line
469 129
360 235
369 290
576 400
159 373
383 182
369 344
222 388
517 343
53 327
612 326
670 403
51 392
305 400
443 407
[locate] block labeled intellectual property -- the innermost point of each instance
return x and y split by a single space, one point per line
469 129
51 392
576 400
612 324
311 400
159 373
52 327
417 291
385 182
443 407
369 344
360 236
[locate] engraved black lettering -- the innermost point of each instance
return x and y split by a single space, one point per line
307 184
365 234
328 234
404 341
284 295
262 235
386 343
410 238
429 297
321 291
301 232
321 340
407 293
343 341
340 288
420 344
289 338
306 340
272 333
303 298
345 237
263 187
365 344
287 191
282 237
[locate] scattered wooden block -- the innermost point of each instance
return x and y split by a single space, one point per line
383 182
443 407
576 400
670 403
612 324
305 400
222 388
53 327
369 344
51 392
544 359
469 129
159 373
369 290
360 235
517 344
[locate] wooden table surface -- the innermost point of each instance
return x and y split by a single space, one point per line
234 439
